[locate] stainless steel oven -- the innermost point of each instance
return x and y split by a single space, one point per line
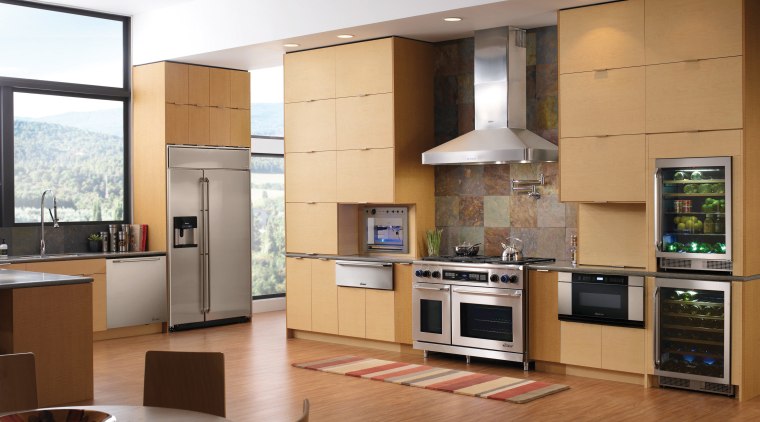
487 318
432 306
601 299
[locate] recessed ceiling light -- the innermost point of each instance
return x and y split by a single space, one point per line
291 45
345 36
452 19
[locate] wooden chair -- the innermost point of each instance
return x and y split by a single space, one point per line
18 382
305 416
185 380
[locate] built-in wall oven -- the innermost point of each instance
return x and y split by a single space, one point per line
601 299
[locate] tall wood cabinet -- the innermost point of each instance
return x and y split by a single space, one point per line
177 103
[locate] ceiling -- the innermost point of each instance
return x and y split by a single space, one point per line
268 51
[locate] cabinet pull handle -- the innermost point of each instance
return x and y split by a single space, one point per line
602 136
364 95
311 202
692 60
404 263
366 149
542 271
323 259
311 253
604 69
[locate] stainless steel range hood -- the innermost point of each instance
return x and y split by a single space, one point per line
500 136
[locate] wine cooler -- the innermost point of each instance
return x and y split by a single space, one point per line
693 214
693 335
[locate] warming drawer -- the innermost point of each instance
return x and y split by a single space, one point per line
364 274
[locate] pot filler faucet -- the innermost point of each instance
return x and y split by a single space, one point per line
53 216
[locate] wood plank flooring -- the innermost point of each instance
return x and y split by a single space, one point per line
262 386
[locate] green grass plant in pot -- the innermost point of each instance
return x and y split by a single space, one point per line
433 238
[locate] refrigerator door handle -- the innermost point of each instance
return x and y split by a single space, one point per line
207 246
202 247
657 327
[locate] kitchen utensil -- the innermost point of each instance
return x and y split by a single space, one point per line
512 252
465 249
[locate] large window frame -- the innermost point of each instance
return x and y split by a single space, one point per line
10 85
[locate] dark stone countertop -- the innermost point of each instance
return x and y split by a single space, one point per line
22 259
12 279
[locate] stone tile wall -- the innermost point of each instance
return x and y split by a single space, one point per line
475 203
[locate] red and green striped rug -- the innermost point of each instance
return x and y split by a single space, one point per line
514 390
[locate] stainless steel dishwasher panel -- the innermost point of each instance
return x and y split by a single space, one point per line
136 291
364 274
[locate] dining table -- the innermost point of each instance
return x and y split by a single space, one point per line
123 413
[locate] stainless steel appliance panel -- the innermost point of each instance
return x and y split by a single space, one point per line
364 274
136 291
499 325
601 299
208 157
431 313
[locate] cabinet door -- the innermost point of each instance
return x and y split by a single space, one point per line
697 95
603 169
602 103
364 68
604 36
364 122
219 126
310 177
99 300
545 330
324 297
380 324
177 123
20 267
678 30
612 235
402 287
311 228
310 126
623 349
176 79
199 125
351 312
309 75
715 143
365 175
298 293
198 86
240 128
74 267
240 89
581 344
219 87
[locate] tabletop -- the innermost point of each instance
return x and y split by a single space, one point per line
147 413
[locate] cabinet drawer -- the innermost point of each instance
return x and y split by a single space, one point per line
365 175
602 103
365 122
73 267
309 75
310 126
678 30
603 169
704 94
604 36
311 228
364 68
310 176
715 143
298 296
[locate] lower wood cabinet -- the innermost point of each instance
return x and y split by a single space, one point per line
312 297
543 325
366 313
352 312
402 287
603 346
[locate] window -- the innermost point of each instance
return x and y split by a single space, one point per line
64 104
267 116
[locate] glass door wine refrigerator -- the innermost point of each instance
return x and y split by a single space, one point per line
693 214
693 334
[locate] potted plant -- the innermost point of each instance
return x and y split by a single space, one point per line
433 238
94 242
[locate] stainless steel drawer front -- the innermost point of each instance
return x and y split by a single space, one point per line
364 274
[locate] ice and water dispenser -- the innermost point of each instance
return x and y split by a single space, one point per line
184 232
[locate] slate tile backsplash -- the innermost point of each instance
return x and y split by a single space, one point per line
25 240
475 203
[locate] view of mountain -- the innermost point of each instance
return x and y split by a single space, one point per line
109 121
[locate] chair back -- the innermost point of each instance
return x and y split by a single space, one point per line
18 382
305 416
185 380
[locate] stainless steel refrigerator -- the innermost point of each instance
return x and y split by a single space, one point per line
209 236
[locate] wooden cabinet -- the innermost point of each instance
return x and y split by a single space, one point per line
609 102
199 127
219 126
174 77
612 234
20 267
603 169
310 176
240 90
581 344
606 36
543 325
365 122
366 313
716 143
198 86
365 175
311 227
603 346
678 30
240 128
352 311
695 95
312 299
364 68
177 123
219 87
309 75
402 286
310 126
298 298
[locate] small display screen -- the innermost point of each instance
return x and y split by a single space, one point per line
480 277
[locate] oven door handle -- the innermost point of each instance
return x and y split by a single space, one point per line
441 289
472 292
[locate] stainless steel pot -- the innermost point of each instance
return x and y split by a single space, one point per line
466 249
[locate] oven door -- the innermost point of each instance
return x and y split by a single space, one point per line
431 313
487 318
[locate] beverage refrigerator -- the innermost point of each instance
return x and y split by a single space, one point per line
692 339
692 216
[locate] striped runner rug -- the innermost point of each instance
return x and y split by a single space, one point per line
514 390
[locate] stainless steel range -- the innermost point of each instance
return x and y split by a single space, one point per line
472 306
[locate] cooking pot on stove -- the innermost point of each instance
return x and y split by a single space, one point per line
512 251
465 249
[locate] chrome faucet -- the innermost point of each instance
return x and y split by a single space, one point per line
53 216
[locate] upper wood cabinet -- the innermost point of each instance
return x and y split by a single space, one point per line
612 234
309 75
310 176
366 176
605 36
240 89
219 87
678 30
603 169
364 68
694 95
609 102
198 86
240 128
311 227
365 122
175 79
310 126
714 143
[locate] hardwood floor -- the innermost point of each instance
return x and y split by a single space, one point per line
262 386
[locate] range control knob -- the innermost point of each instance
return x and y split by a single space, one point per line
494 277
426 273
505 279
418 273
436 274
513 279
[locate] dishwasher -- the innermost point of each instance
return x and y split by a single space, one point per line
135 291
364 274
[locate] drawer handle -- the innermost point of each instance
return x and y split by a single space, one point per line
127 261
311 253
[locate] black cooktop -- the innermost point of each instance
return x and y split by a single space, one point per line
480 259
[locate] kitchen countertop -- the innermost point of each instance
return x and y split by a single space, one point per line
370 258
566 266
13 279
20 259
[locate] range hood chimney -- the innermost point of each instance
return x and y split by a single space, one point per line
500 136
